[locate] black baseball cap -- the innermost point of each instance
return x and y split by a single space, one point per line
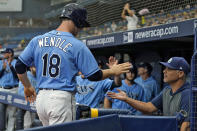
8 50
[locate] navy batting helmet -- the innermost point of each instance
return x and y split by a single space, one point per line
76 13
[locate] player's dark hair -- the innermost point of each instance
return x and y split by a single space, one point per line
146 66
63 19
132 70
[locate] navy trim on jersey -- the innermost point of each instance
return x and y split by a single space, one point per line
13 70
1 72
96 76
20 67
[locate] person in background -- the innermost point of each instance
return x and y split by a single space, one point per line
24 119
132 90
58 56
131 18
8 83
174 98
91 93
146 81
113 26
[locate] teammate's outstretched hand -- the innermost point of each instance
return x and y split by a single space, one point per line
121 95
112 61
121 68
30 94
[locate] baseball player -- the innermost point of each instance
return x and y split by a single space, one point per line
92 93
147 81
24 119
174 98
8 83
58 57
132 89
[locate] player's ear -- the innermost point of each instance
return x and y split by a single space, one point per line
181 74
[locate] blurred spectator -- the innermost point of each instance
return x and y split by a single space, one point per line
178 17
132 90
24 119
8 83
195 16
187 7
186 15
131 18
169 18
143 21
22 44
151 19
145 80
113 26
99 32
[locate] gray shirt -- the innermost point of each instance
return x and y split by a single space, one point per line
172 103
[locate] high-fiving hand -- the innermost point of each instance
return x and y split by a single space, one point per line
121 95
112 61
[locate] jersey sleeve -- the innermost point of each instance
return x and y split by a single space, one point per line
185 104
27 55
109 98
86 62
158 101
155 88
142 96
107 83
1 65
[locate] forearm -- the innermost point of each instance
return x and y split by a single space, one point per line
115 70
25 81
117 81
107 73
141 106
185 126
107 103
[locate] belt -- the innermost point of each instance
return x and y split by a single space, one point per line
9 87
47 89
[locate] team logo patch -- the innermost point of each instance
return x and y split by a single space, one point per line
170 60
85 89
